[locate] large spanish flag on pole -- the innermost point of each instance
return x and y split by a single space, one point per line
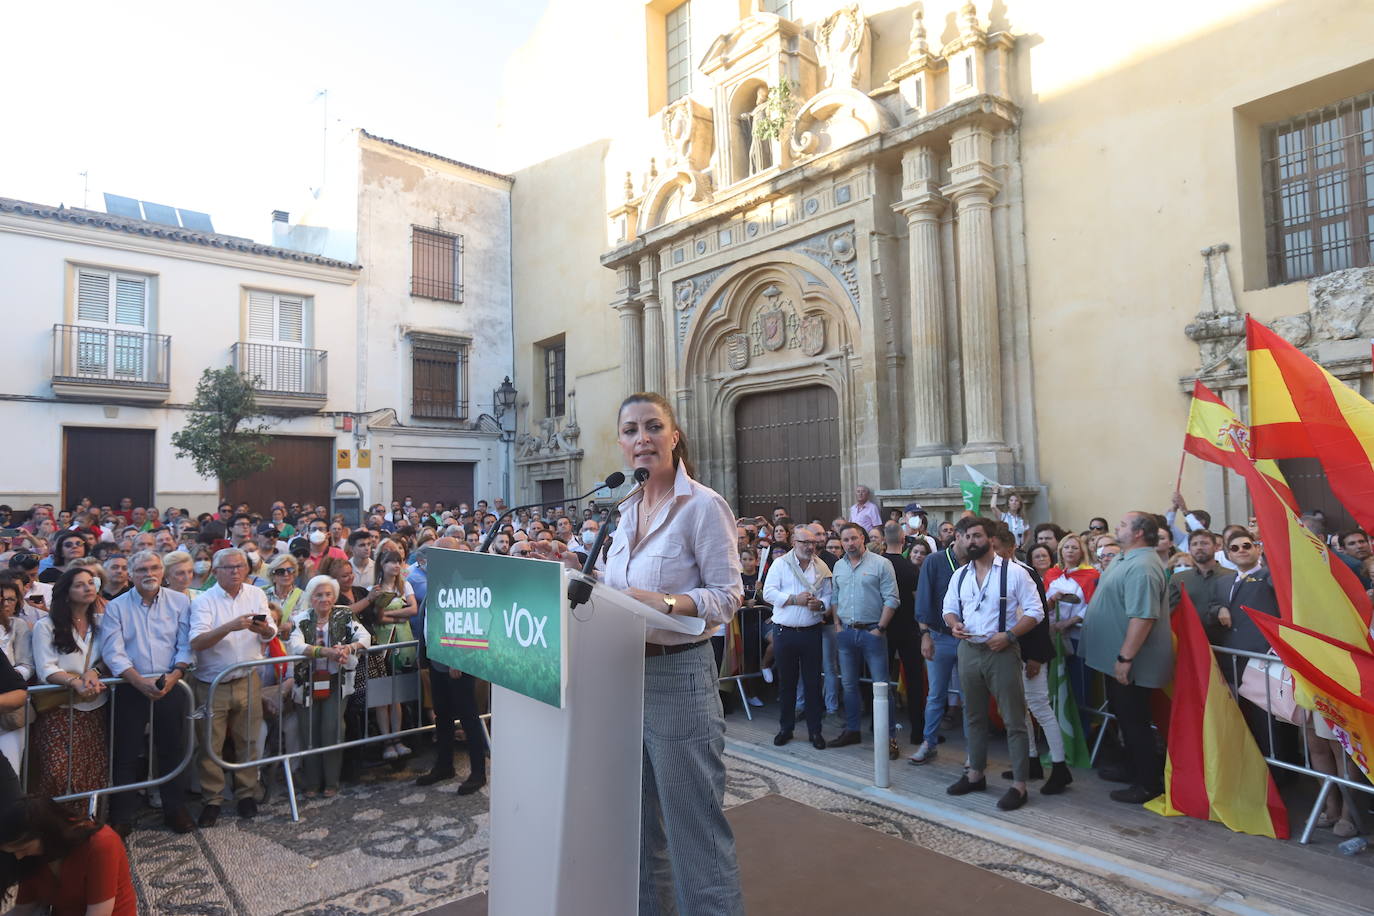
1298 409
1213 431
1214 770
1314 588
1336 681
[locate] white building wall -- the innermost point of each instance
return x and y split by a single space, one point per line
197 297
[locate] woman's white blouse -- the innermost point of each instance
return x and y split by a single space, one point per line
48 661
688 549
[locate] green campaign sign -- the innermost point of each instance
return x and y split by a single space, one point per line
498 618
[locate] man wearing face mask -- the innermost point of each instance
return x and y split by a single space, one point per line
586 538
145 639
318 538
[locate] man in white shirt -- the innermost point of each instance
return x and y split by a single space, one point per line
230 624
799 588
864 511
988 606
360 544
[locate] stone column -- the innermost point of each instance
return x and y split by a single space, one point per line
653 324
922 205
971 190
631 330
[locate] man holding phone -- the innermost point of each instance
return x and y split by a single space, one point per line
230 624
145 638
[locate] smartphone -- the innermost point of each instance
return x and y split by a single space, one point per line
259 618
161 682
1070 599
10 532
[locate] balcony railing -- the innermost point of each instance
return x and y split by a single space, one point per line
282 374
103 361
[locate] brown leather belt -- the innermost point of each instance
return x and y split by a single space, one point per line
654 650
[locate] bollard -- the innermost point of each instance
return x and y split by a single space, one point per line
880 716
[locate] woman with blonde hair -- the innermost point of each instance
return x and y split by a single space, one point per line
1069 588
179 569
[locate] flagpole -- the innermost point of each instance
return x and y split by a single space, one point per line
1178 484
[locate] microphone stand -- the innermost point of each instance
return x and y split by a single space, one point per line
610 483
580 590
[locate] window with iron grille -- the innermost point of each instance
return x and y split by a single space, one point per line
555 380
678 25
1319 190
436 264
440 377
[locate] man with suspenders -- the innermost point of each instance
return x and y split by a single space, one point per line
989 605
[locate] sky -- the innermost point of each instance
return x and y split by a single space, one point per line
218 108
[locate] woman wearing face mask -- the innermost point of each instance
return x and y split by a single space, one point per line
66 652
201 579
675 551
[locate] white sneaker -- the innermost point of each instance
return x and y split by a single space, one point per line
389 752
402 749
768 675
755 701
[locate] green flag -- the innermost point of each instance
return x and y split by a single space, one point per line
1066 711
973 494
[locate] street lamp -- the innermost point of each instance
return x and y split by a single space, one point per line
503 401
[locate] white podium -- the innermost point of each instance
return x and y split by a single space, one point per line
565 788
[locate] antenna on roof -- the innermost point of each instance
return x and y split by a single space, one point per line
323 94
85 188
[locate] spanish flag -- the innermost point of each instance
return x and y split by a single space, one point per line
1334 679
1298 409
1314 588
1217 435
1214 770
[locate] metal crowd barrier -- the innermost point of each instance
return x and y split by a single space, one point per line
1343 782
403 687
93 796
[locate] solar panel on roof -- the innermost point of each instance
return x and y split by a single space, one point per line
122 206
194 219
160 213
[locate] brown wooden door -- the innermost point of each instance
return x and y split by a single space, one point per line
302 471
551 492
106 465
447 482
787 447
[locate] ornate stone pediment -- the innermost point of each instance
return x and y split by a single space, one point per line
674 194
754 33
834 118
687 135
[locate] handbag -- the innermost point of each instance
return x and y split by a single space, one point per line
49 700
1269 685
16 719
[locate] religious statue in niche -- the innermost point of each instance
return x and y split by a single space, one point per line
760 147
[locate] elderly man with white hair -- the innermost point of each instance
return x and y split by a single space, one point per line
229 625
145 639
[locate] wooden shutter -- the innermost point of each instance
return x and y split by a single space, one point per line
290 320
131 302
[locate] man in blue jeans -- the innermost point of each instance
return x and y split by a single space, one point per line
865 600
937 645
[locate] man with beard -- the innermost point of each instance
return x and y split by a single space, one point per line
1208 583
988 607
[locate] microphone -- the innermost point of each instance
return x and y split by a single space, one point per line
610 483
579 590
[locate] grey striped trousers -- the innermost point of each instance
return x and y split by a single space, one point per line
687 851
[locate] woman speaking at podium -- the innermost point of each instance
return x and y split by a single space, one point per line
674 549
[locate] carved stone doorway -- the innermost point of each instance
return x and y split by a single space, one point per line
787 453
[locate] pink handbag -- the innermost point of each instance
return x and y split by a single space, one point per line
1269 685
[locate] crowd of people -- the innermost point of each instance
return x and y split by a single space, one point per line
109 608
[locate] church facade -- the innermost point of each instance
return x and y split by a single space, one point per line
885 244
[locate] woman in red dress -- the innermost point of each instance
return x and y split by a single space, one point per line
63 862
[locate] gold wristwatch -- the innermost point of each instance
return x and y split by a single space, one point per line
671 601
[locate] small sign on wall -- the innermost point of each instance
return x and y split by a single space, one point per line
343 460
364 457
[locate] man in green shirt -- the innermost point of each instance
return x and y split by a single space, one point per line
1126 636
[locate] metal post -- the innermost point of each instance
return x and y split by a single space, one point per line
880 716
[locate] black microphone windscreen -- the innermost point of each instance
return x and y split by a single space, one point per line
641 475
614 480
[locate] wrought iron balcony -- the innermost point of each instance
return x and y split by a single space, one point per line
284 376
110 363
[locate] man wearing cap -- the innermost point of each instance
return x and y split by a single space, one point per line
914 521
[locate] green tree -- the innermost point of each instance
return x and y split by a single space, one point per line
221 436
